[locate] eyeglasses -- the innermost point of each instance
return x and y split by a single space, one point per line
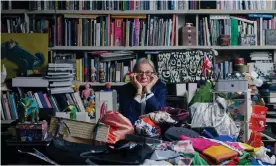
148 73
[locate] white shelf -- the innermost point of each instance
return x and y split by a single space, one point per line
103 84
127 12
111 48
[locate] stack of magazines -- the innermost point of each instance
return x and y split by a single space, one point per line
60 76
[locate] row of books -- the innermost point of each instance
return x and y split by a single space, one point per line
94 67
107 5
8 106
59 102
246 5
213 28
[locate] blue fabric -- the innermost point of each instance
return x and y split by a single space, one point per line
131 109
224 138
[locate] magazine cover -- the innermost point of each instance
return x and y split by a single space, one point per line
21 52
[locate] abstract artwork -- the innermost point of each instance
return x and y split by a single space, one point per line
182 66
21 52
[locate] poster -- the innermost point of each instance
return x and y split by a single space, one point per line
23 51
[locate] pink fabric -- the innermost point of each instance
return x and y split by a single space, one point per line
199 144
234 144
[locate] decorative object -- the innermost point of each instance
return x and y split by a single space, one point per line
21 52
108 87
31 132
90 109
72 111
86 92
28 107
182 66
224 40
93 74
76 86
102 75
188 35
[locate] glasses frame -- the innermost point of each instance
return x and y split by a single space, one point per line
142 73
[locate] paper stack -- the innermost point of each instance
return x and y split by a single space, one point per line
60 76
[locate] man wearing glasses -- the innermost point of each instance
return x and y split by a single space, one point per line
145 93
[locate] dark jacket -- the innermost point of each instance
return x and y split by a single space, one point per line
131 109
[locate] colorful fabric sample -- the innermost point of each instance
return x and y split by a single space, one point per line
219 153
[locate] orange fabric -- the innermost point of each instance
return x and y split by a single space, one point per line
119 126
149 121
219 153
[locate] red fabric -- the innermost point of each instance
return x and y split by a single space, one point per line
119 126
234 161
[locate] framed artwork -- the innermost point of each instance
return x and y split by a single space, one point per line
21 52
183 66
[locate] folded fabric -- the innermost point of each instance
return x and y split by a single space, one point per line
183 148
246 147
198 160
219 153
160 117
209 160
174 133
146 127
176 113
199 144
234 161
234 144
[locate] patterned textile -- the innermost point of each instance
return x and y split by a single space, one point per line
183 148
146 127
160 117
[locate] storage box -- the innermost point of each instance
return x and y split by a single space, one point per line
232 85
30 132
188 36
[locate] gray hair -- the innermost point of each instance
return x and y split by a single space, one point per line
143 61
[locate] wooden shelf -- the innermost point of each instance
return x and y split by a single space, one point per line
103 84
127 12
152 48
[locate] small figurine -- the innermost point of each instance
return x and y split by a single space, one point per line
108 87
92 95
86 92
93 74
76 86
72 110
28 107
102 75
90 109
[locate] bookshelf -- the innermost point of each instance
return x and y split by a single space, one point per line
179 12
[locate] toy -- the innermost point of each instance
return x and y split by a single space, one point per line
28 107
92 95
108 87
86 92
93 74
23 59
76 86
90 109
102 75
72 110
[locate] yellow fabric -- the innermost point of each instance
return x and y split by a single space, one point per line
219 153
247 147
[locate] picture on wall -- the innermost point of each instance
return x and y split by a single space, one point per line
184 66
21 52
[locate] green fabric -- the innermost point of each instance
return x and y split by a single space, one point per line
197 160
245 158
203 94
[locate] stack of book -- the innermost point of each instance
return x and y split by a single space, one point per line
60 76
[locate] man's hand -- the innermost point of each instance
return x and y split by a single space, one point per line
135 83
148 88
